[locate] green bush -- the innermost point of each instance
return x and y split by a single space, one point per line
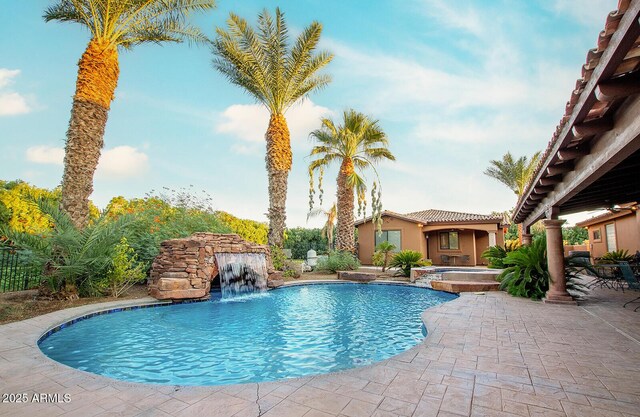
124 272
405 260
495 255
278 258
338 261
377 259
386 250
615 256
300 240
71 260
526 273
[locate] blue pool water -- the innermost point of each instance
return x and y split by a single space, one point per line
285 333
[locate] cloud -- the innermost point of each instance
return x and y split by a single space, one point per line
45 155
11 103
117 163
248 124
585 11
456 17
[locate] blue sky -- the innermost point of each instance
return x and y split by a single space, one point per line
454 85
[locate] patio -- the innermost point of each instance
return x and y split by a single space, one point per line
486 355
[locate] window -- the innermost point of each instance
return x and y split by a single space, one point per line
449 240
596 235
392 236
610 230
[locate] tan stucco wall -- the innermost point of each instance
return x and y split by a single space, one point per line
627 235
411 237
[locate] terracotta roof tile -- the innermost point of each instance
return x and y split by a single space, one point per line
441 216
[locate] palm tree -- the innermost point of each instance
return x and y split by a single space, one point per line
386 249
112 24
358 144
276 75
515 174
327 229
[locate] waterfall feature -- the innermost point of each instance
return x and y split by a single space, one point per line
241 273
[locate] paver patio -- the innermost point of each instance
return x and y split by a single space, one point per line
486 355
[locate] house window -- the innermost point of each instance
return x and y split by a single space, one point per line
449 240
610 230
596 235
392 236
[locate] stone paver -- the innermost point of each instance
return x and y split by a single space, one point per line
486 355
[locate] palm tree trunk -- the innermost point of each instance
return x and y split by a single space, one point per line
346 236
278 166
520 232
98 72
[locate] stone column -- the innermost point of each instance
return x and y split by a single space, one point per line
527 236
557 293
492 238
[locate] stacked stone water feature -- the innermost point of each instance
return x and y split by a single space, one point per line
185 267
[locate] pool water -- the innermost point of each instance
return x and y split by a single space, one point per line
289 332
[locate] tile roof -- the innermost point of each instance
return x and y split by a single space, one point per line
576 110
439 216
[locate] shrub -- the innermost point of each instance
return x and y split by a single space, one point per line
250 230
278 258
124 272
72 260
338 261
495 255
526 273
615 257
377 259
405 260
300 240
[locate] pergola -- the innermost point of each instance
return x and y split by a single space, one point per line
593 158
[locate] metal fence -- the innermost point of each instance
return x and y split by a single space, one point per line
14 274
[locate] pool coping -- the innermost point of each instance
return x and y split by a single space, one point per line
69 316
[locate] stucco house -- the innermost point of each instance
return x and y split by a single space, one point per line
445 237
616 230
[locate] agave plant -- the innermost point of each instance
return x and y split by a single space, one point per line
71 259
405 260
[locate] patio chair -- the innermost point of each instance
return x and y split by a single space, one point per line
632 281
445 259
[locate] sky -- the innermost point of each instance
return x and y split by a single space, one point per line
453 84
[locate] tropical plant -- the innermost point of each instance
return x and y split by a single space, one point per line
112 24
125 271
72 260
575 235
526 273
385 249
514 173
330 216
338 261
495 255
276 75
405 260
357 144
616 256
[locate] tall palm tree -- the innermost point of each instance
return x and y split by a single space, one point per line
515 174
276 75
327 229
357 144
113 25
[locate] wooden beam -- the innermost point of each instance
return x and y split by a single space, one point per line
570 154
560 169
542 189
536 197
620 87
592 127
557 179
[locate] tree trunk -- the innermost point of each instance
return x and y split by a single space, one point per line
278 161
97 79
520 231
346 236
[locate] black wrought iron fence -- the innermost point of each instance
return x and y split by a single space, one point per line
15 275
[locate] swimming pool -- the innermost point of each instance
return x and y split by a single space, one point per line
289 332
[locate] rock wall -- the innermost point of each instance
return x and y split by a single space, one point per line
185 267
